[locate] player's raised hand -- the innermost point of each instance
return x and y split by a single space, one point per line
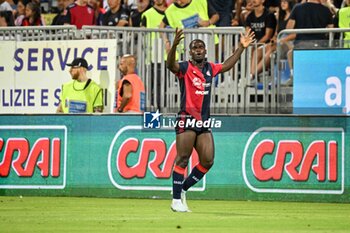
178 36
247 38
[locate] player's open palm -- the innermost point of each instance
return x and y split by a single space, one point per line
247 38
178 36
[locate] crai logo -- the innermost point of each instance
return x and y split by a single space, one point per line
157 120
295 160
142 160
33 157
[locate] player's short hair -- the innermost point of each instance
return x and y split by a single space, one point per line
196 40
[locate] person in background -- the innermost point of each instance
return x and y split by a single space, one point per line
116 15
79 14
81 95
245 8
152 19
33 15
224 9
6 19
131 90
59 19
19 13
5 6
311 14
135 15
283 14
343 18
188 14
99 10
263 23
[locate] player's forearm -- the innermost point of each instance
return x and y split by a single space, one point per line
171 59
231 61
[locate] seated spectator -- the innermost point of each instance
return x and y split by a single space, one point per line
131 90
242 14
99 10
283 14
79 14
33 15
116 15
263 23
6 19
19 13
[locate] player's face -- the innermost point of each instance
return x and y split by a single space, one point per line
123 66
198 51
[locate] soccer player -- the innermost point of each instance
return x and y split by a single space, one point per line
195 77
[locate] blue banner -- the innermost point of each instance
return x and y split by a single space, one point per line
321 81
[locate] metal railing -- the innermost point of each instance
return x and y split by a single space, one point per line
38 33
233 91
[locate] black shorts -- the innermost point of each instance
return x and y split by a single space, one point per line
185 122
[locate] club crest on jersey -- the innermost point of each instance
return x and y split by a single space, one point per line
197 82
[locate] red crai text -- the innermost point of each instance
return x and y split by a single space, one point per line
300 164
161 165
44 154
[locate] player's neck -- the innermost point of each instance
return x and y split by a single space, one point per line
200 64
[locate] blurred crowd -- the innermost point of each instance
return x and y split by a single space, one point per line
129 12
266 18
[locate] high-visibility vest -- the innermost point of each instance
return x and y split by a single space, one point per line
153 19
81 97
137 102
344 22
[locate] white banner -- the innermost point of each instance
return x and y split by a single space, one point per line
32 73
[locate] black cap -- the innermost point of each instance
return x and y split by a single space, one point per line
79 62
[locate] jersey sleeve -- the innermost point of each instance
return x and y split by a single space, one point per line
216 68
183 69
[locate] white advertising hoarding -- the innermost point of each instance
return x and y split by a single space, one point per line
32 73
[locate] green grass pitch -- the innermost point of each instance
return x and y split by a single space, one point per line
66 214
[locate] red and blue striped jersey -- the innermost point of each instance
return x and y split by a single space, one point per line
195 88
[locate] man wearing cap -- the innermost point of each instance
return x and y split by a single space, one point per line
81 95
